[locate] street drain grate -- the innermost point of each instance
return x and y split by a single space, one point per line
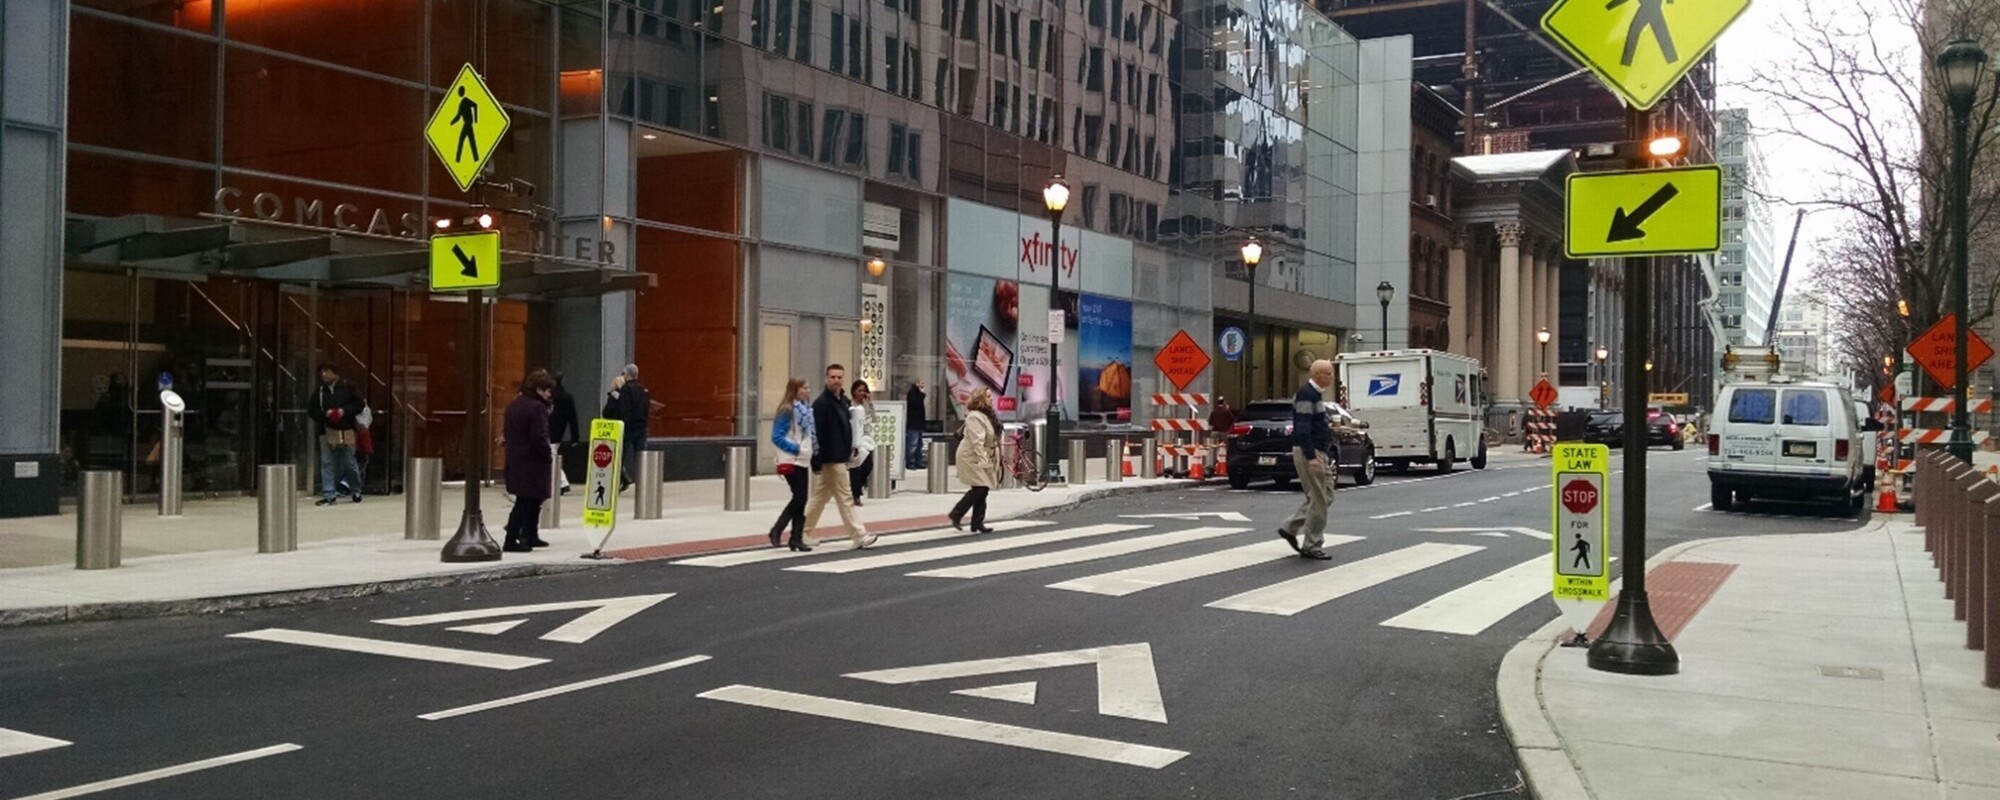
1860 673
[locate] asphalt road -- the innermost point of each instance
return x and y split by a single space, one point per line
1184 658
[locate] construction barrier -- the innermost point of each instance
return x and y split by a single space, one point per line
1540 431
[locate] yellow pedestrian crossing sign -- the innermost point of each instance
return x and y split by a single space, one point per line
466 127
1640 48
1649 212
1582 530
461 261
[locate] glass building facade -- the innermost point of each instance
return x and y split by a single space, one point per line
726 194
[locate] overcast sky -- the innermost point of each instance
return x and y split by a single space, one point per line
1759 43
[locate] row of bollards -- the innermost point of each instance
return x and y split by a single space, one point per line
100 512
1959 510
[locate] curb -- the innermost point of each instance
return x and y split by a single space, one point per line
1546 766
146 609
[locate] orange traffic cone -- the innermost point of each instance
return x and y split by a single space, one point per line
1222 467
1194 469
1886 501
1127 461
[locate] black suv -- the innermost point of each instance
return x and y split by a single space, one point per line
1608 428
1260 445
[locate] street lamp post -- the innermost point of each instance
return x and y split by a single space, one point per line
1963 65
1252 253
1603 376
1542 337
1385 291
1055 197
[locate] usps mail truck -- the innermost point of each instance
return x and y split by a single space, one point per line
1421 406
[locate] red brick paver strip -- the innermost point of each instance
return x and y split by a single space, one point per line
829 533
1675 591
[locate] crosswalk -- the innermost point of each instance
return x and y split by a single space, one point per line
1465 610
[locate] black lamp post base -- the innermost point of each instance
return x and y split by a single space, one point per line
471 542
1633 643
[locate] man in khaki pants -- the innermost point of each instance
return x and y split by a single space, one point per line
1312 454
829 459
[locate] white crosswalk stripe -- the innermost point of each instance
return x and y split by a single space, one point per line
1477 606
981 547
1299 594
1139 579
1078 555
742 557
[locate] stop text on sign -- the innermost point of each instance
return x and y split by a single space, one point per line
1579 497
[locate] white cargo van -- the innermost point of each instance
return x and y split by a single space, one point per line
1422 406
1787 440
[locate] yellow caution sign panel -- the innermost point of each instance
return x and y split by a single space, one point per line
463 261
1652 212
1640 48
1582 522
600 484
466 127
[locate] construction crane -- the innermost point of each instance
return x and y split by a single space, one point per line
1784 274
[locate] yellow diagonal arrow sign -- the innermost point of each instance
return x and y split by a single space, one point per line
1652 212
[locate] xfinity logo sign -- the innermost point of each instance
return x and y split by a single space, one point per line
1036 251
1384 385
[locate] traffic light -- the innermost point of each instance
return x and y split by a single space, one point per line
1602 156
477 217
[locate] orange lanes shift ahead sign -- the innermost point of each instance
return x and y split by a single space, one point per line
1543 394
1181 360
1932 350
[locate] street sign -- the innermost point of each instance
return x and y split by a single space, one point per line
1582 533
1640 48
1888 394
1544 394
1056 324
466 127
1932 350
1649 212
600 484
1667 398
1181 360
1231 343
462 261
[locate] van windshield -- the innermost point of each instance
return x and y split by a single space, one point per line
1805 407
1754 406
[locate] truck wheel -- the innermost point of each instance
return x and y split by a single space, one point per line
1448 463
1238 481
1721 498
1479 461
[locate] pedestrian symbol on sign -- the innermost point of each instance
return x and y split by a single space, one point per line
1582 562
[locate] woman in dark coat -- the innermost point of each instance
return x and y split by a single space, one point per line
529 463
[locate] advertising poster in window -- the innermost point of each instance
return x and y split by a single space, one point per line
1104 365
981 340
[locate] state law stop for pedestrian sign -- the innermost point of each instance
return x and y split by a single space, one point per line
1582 540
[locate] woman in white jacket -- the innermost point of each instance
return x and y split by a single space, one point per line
861 417
792 433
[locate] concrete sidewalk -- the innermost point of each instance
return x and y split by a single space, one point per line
207 559
1819 666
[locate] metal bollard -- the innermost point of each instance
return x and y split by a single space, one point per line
1978 590
1009 445
1040 429
648 487
938 473
1079 461
1972 526
1149 458
736 478
423 491
1114 460
1954 510
99 526
551 517
1991 580
879 484
277 508
173 431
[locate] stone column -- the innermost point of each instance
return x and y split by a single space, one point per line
1460 314
1508 372
1533 283
33 112
1553 259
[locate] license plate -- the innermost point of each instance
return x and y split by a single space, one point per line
1267 461
1802 449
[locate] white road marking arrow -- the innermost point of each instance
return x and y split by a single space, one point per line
1127 684
606 612
14 743
1226 516
1523 531
1023 693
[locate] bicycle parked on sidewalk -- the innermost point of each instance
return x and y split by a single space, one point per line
1026 464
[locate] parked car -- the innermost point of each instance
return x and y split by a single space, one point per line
1608 428
1259 447
1797 441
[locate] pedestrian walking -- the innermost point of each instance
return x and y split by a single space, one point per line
1312 456
978 459
833 430
525 430
792 433
565 428
916 419
862 416
335 408
1221 419
630 403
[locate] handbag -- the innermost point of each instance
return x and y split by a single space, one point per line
339 438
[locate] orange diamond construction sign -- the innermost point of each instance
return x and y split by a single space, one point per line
1182 360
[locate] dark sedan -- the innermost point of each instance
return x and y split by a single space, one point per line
1608 428
1260 445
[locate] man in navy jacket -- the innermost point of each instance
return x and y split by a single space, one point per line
1312 455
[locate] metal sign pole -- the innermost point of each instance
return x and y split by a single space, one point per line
471 542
